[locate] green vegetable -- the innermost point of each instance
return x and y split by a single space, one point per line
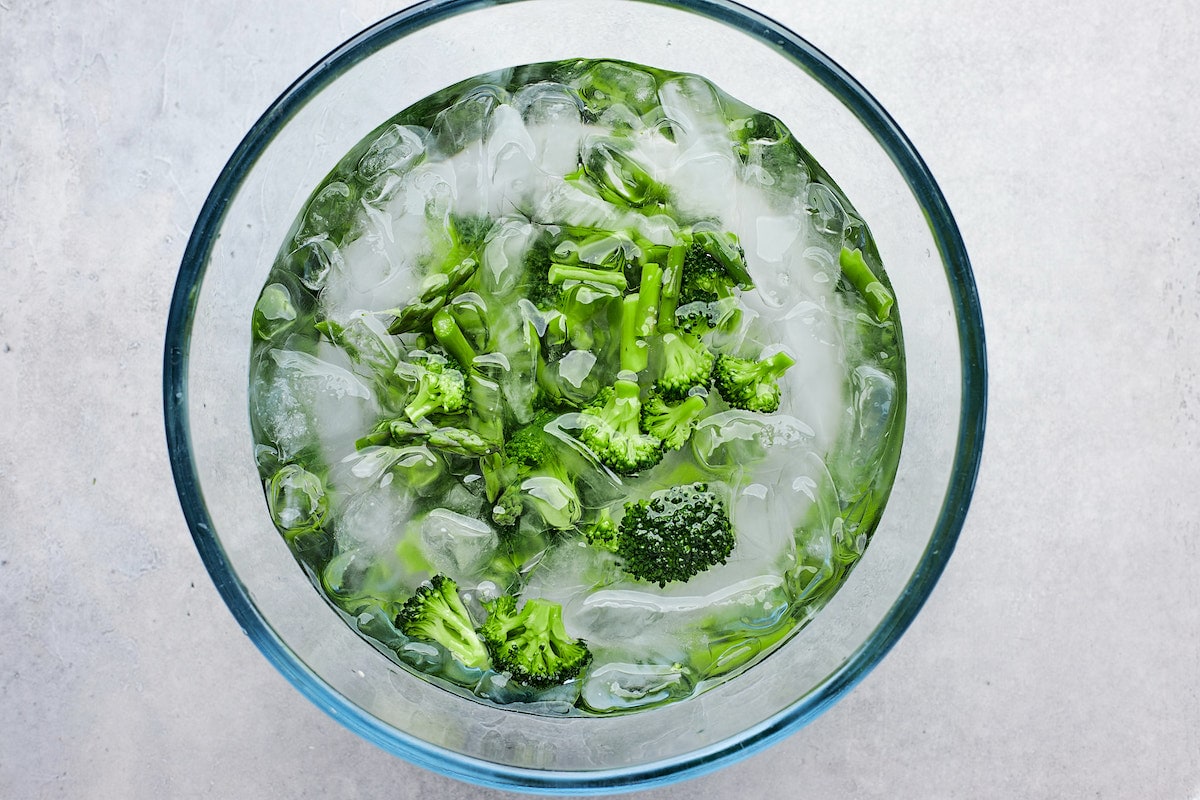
751 385
436 614
676 534
860 276
611 430
532 643
672 424
685 364
532 476
440 387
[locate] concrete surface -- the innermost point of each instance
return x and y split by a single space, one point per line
1059 657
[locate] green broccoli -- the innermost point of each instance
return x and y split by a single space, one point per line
704 272
530 475
685 363
532 643
596 276
440 386
436 614
855 269
602 531
611 430
672 424
702 278
751 385
436 290
675 534
458 441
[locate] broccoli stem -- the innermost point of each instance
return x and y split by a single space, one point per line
451 337
648 295
602 277
414 315
728 253
855 268
671 283
774 366
635 356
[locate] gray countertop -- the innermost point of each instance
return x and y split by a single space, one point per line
1059 656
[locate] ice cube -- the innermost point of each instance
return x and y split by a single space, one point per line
606 83
503 258
637 612
330 213
373 351
695 113
826 214
704 182
566 203
457 545
373 516
511 153
724 443
296 499
552 114
395 150
576 366
620 172
316 257
873 400
623 686
301 389
274 313
467 119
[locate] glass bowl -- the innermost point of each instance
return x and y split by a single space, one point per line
247 215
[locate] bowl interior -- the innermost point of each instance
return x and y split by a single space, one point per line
265 186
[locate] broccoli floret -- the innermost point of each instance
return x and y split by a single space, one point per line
602 532
685 364
538 260
751 385
532 643
440 386
672 424
703 272
611 430
728 252
436 613
533 477
703 279
676 534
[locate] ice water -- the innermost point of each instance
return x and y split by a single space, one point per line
370 520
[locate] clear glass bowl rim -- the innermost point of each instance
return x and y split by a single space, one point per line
967 455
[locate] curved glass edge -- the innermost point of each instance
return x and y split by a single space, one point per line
950 520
